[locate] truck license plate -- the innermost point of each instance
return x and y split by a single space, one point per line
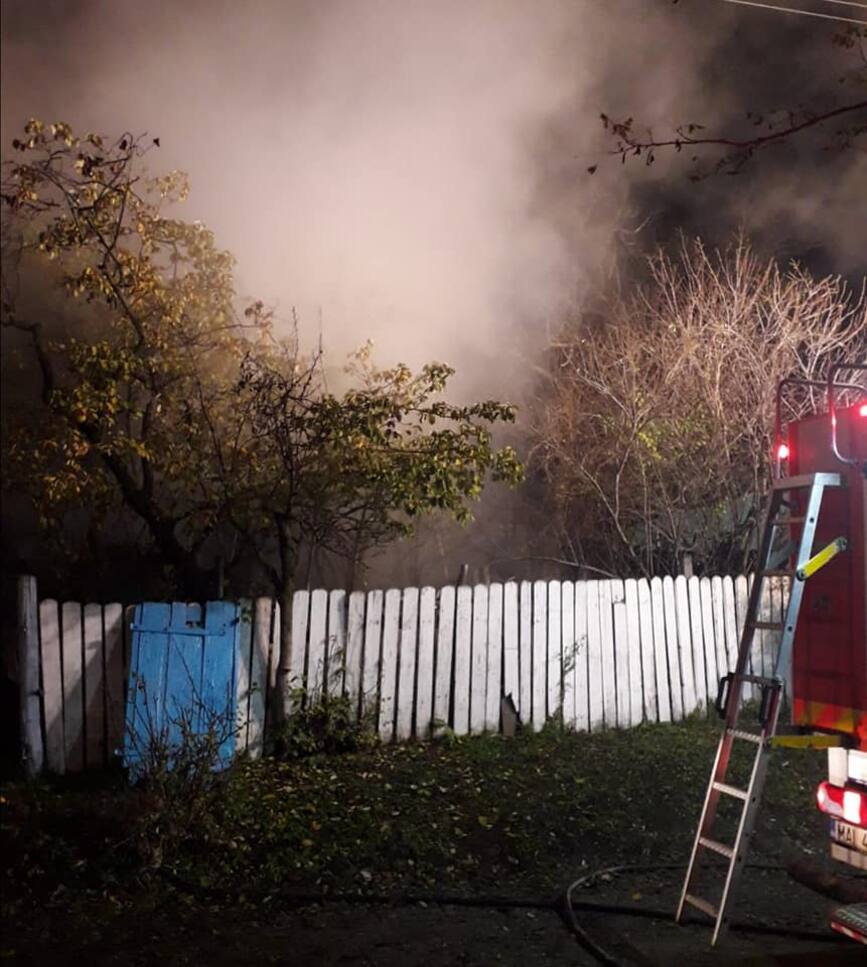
851 836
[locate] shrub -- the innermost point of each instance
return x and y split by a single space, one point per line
326 726
177 764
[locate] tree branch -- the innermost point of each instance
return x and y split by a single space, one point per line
630 145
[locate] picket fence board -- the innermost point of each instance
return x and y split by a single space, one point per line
355 615
633 638
254 641
388 667
772 641
705 690
52 686
621 655
525 651
318 635
274 651
493 688
582 691
115 678
554 650
567 604
707 630
462 659
743 605
760 644
425 662
660 651
406 664
94 682
648 654
511 667
719 629
479 659
684 643
444 659
73 686
601 653
606 630
594 656
730 622
767 635
672 648
742 594
298 631
631 648
540 653
335 644
372 646
754 661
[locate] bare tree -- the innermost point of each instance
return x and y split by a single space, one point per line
654 426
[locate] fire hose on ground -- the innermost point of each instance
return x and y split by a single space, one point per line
563 904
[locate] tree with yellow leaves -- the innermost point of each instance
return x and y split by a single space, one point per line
160 397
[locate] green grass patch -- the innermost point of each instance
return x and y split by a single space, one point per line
471 814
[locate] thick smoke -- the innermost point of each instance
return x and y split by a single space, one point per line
415 172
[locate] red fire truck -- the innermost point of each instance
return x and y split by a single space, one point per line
815 538
829 656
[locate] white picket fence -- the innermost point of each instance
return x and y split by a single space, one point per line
595 654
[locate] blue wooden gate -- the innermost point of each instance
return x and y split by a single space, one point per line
182 680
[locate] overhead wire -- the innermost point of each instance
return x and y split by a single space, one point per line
799 11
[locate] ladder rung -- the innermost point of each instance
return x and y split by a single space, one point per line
795 483
767 625
806 480
699 904
759 680
747 736
731 790
783 521
778 574
720 848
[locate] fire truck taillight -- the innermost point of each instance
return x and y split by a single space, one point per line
846 804
862 409
783 451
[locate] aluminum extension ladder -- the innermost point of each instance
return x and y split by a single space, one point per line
779 515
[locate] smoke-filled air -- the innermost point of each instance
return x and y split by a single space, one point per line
450 181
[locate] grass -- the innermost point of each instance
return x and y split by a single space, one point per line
471 814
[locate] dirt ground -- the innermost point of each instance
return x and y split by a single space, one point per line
437 935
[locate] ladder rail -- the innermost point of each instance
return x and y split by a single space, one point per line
747 820
732 709
772 692
753 604
708 814
796 592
